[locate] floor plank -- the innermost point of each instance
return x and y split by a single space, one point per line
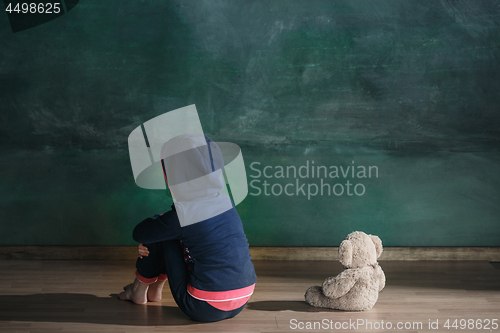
80 296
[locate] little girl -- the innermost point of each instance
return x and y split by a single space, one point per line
199 245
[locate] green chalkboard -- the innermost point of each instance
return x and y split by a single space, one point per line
404 93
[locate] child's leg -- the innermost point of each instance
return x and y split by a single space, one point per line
168 257
135 292
178 276
175 269
153 266
150 277
151 270
155 290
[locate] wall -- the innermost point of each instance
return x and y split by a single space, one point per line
408 87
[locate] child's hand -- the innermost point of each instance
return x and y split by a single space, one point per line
143 251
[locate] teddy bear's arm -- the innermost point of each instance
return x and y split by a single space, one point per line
381 278
339 285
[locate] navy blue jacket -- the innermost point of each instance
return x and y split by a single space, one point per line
218 247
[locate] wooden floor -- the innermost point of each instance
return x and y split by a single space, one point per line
80 296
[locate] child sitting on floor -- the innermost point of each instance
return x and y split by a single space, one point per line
199 245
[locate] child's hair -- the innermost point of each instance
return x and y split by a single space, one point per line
166 181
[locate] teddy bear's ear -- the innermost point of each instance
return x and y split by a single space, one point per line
345 253
378 244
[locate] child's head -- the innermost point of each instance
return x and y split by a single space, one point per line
192 165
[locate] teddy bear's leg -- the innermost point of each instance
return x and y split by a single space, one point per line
315 297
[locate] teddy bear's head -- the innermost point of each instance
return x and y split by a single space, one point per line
359 250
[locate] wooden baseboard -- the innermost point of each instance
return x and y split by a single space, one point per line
258 253
390 253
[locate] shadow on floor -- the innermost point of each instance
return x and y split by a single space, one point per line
299 306
85 308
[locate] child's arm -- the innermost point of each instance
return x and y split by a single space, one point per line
158 228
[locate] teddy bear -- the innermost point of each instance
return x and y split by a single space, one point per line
357 287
